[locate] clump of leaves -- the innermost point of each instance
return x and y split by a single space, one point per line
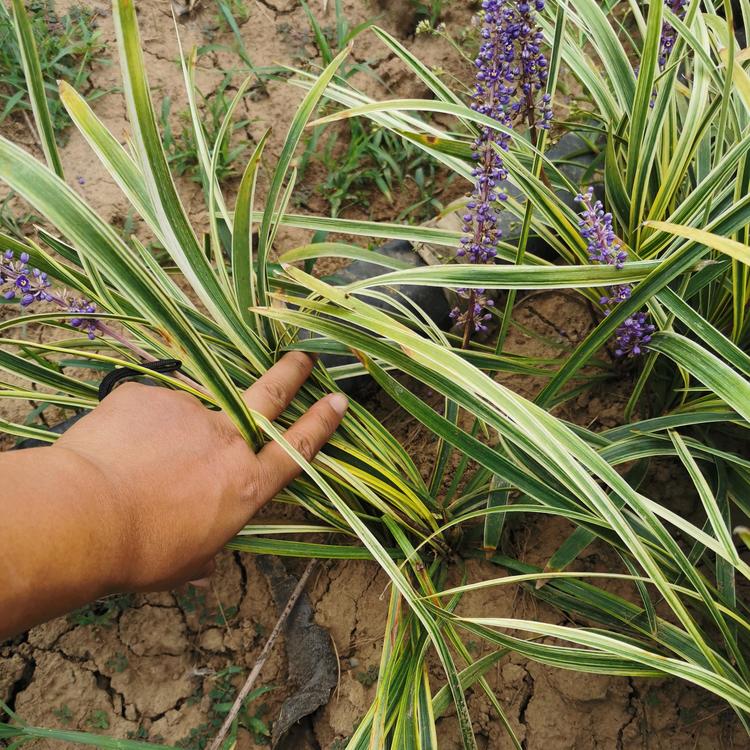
675 167
68 46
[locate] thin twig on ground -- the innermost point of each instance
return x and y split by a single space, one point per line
32 130
264 654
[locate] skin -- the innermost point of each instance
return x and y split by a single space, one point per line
141 494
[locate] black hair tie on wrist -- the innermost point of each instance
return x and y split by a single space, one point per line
111 379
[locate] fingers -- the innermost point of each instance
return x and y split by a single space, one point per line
274 391
308 435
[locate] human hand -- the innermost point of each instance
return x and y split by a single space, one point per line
177 481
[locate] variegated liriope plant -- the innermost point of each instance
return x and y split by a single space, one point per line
669 115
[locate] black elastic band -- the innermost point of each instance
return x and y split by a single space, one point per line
111 379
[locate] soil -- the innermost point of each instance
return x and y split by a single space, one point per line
151 666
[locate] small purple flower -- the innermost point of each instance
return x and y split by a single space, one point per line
633 335
595 227
30 285
619 294
86 323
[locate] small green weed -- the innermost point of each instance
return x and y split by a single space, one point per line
101 613
374 159
230 15
98 720
358 159
369 677
474 647
64 714
193 600
117 663
68 45
181 145
143 734
222 695
428 10
227 16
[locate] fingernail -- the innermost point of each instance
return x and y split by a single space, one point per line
339 403
201 583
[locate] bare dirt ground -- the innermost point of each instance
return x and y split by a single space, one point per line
155 666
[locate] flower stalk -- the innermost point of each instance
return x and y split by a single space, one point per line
668 32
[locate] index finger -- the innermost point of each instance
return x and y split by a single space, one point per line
276 389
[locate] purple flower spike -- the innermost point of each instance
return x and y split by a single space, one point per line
511 76
633 335
595 227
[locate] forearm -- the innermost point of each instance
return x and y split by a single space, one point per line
60 537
